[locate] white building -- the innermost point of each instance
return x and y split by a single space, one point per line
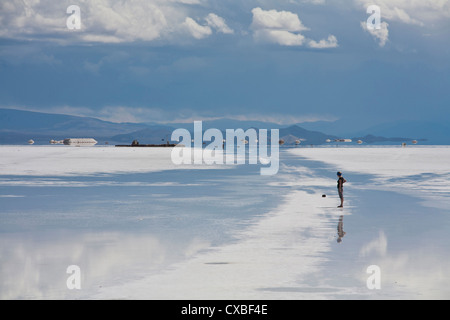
80 142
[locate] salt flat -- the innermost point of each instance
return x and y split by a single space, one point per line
422 171
291 252
140 227
389 161
67 160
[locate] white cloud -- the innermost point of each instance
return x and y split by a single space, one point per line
314 1
284 28
107 21
279 27
213 21
415 270
218 23
120 114
28 17
382 34
331 42
414 12
101 21
424 13
128 21
115 21
196 30
158 115
281 37
276 20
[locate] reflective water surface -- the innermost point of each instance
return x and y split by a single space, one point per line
221 234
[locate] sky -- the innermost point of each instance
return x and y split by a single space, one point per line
285 61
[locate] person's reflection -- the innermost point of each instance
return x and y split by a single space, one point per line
340 229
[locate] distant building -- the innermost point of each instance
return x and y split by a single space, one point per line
80 142
343 140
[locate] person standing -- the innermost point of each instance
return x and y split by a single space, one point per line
340 187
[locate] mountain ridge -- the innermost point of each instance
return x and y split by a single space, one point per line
18 126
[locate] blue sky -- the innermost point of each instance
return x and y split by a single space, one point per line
184 60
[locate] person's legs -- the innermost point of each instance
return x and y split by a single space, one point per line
341 196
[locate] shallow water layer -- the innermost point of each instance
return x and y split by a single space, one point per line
117 226
187 233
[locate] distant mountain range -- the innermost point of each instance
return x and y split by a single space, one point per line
427 132
17 127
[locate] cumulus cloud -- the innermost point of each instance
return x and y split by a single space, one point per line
331 42
28 17
280 27
115 21
276 20
409 12
382 34
281 37
213 22
103 20
196 30
218 23
413 12
284 28
108 21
